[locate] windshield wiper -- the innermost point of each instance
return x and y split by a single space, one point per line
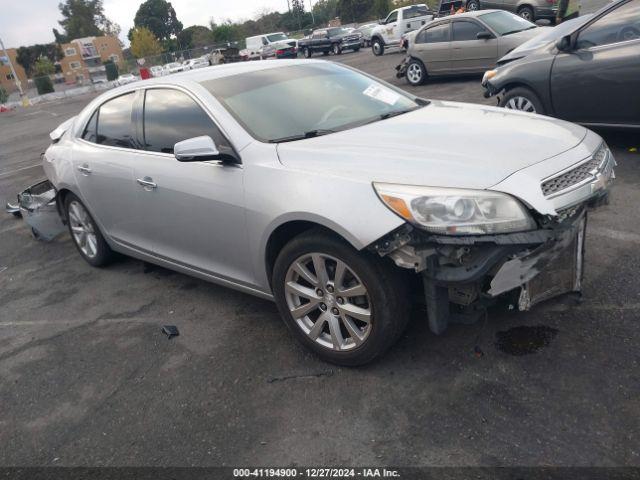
521 30
310 134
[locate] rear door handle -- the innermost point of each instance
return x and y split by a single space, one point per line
84 169
147 182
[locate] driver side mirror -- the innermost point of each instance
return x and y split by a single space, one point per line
564 44
484 35
198 149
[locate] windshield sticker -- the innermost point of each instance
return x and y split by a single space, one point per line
382 94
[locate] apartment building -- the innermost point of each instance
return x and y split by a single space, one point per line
84 57
6 77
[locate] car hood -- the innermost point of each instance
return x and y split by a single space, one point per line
545 36
443 144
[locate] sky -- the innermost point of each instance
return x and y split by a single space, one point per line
25 22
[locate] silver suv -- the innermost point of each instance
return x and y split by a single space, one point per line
531 10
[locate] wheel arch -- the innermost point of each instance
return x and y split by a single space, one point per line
286 230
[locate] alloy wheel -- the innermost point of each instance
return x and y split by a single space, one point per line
82 229
526 14
472 7
521 103
414 73
328 301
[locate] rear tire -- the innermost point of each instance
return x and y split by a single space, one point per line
336 49
379 296
473 5
522 99
377 47
357 49
527 14
307 53
325 53
416 72
85 233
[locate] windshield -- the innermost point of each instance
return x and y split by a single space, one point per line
172 65
275 104
505 23
276 37
337 31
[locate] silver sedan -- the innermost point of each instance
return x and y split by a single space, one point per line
337 195
464 43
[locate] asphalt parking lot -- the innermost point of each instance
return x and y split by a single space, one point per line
87 377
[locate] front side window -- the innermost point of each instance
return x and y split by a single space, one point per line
435 34
620 25
393 17
277 37
465 31
276 104
114 122
90 131
171 116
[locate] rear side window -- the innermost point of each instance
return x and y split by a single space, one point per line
90 130
620 25
171 116
114 122
464 31
415 11
436 34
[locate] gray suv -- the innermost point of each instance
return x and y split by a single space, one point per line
531 10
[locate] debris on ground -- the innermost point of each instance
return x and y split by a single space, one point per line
170 331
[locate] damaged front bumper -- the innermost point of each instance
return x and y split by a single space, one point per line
463 275
37 206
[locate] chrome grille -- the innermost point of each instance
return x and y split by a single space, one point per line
575 176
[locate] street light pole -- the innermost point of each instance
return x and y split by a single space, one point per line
25 100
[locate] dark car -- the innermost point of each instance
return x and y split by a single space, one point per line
326 40
589 74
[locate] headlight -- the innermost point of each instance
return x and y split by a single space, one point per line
452 211
488 75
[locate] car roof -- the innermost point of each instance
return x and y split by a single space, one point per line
227 70
474 14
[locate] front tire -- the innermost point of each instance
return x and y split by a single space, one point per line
346 306
85 233
416 72
377 47
522 99
336 49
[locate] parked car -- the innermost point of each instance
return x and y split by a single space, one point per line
126 78
589 74
197 63
365 30
267 46
531 10
173 67
399 22
334 39
465 43
157 71
341 206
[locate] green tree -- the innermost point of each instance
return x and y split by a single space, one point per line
381 8
43 66
83 18
195 36
144 43
27 56
4 96
325 10
226 32
159 17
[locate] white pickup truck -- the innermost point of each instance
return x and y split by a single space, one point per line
398 22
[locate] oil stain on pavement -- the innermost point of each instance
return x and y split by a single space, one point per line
524 340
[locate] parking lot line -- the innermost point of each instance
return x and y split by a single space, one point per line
11 172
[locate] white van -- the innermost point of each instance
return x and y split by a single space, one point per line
264 46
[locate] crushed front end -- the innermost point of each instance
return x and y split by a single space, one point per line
464 274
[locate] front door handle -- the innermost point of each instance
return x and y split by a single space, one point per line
147 182
84 169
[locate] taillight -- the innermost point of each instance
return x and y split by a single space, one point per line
279 52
